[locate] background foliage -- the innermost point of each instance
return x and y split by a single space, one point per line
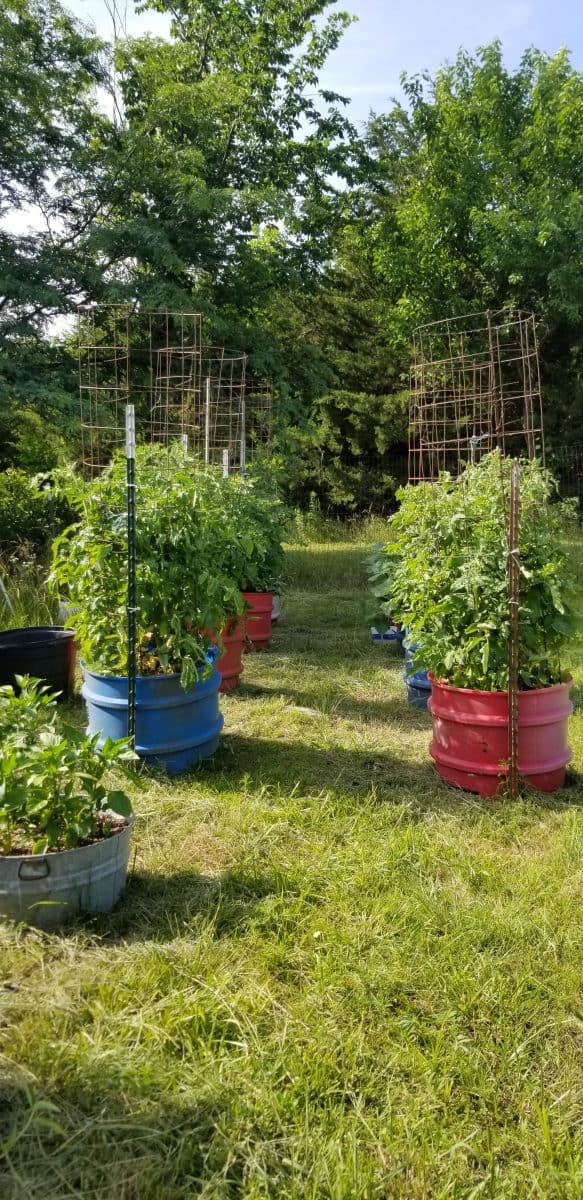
223 178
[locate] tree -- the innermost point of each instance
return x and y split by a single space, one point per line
50 145
223 173
478 203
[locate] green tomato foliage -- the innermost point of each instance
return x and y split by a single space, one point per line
447 579
201 540
380 569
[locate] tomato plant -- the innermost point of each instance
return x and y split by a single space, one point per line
183 587
448 570
380 569
250 550
201 541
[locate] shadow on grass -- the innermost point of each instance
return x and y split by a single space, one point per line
310 770
103 1136
346 775
163 907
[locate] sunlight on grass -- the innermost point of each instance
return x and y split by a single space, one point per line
330 977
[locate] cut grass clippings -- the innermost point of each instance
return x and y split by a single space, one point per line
330 976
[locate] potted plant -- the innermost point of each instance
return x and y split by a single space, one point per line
450 583
379 568
64 832
183 598
30 642
253 557
415 677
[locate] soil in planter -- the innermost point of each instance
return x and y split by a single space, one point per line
116 825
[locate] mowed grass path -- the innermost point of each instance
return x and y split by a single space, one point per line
330 976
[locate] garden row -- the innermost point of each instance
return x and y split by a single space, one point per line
208 556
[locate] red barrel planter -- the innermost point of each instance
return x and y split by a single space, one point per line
470 736
230 663
258 618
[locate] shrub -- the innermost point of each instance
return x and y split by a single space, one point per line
448 582
24 515
29 512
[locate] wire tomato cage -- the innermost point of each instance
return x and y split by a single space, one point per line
146 377
475 387
182 389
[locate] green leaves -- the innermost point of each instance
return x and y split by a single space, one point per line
201 541
53 794
446 576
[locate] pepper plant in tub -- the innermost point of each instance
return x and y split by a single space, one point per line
450 583
64 831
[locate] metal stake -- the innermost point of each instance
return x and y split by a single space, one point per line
132 588
207 420
243 436
513 605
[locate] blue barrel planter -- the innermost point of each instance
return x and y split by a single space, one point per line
417 682
174 727
418 688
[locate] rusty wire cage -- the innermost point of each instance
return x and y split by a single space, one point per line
475 386
150 359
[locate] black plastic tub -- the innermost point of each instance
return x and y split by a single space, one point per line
46 652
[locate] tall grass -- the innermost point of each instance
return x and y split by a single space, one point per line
29 600
316 528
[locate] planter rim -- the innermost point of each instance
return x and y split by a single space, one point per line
552 687
163 675
128 822
68 633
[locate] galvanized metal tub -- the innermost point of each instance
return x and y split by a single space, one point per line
48 889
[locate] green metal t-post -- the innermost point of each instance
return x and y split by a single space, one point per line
132 589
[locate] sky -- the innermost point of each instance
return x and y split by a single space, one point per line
392 36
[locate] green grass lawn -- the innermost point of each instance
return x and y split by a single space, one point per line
330 975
